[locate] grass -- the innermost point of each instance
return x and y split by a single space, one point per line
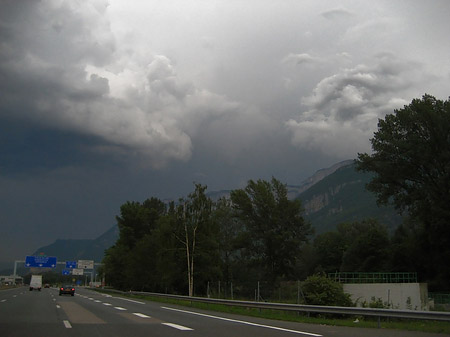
362 322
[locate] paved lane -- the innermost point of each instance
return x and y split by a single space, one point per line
25 313
88 313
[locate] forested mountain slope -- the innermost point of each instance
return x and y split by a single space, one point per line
342 197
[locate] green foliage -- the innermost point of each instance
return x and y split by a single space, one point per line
320 290
376 303
136 220
368 250
411 157
273 229
411 162
358 246
258 235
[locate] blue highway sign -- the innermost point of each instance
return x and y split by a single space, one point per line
71 264
40 261
66 272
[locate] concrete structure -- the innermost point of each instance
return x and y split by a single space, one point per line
11 279
404 296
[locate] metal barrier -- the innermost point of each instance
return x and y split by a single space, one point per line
352 311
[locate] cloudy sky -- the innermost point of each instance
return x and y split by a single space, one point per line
107 101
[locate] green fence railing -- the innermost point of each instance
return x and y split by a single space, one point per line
360 277
440 298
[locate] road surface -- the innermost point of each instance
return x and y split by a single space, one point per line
25 313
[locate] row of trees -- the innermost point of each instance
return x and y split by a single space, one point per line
258 234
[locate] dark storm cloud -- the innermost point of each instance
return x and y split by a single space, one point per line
107 101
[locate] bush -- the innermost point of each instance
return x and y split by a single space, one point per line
320 290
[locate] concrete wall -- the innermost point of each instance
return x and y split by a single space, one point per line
412 296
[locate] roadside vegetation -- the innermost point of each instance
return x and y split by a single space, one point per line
256 243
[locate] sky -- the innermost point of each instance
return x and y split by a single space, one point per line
103 102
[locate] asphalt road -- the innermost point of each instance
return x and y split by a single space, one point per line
45 314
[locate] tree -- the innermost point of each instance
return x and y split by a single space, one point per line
411 162
193 214
368 247
230 228
274 227
137 220
329 248
359 246
133 251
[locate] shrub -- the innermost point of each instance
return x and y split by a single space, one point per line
320 290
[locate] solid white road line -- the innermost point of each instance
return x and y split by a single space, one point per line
245 322
140 315
176 326
67 324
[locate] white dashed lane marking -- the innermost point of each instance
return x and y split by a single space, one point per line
172 325
67 324
176 326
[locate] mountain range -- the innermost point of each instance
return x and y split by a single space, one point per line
331 196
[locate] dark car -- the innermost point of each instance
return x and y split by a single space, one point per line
67 289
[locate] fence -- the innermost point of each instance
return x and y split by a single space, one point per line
374 277
352 311
440 298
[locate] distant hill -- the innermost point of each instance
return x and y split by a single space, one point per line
342 197
295 190
73 250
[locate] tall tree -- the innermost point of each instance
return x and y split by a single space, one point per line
193 214
411 162
274 226
133 251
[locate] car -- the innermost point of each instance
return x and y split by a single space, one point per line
47 285
67 289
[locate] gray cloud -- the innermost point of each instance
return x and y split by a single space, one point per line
303 58
343 111
337 13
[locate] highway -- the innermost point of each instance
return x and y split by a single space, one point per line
45 314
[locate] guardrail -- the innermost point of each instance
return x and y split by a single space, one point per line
351 311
